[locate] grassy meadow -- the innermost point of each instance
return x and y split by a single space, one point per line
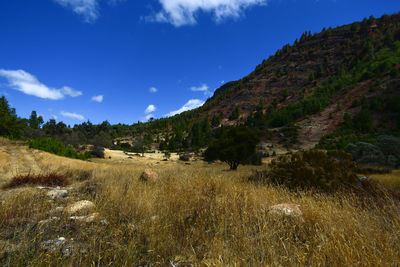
199 215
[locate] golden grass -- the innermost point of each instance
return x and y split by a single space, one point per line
390 180
201 214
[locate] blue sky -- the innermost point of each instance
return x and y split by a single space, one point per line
125 60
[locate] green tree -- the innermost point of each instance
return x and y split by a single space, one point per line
236 145
10 125
34 121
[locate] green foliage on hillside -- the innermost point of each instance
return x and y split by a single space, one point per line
54 146
385 150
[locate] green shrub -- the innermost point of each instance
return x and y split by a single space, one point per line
57 147
312 169
366 153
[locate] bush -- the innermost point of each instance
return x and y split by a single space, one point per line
54 146
311 169
97 151
184 157
51 179
366 153
385 152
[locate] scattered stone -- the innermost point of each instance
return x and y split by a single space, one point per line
43 187
47 221
365 178
87 219
57 193
287 209
83 206
179 261
155 217
53 244
148 175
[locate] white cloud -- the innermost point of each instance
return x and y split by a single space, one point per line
54 116
201 88
72 115
27 83
88 9
153 90
191 104
150 109
97 98
184 12
71 92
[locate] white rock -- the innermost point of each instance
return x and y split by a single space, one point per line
57 193
287 209
53 244
87 219
82 206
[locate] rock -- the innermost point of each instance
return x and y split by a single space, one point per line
87 219
57 193
154 218
148 175
287 209
57 210
83 206
47 221
43 187
184 157
53 244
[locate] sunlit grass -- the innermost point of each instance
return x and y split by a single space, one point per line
198 214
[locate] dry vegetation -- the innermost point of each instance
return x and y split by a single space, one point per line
197 214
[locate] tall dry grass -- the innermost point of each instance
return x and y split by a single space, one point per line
199 214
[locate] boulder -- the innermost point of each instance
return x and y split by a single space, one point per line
86 218
57 193
148 175
80 207
53 244
287 209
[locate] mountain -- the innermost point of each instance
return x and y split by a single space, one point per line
317 81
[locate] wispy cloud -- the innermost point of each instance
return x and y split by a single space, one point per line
88 9
150 109
191 104
97 98
153 90
184 12
201 88
27 83
72 115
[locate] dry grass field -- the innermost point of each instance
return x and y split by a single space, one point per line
190 215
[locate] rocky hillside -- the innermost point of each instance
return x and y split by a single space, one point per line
316 81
